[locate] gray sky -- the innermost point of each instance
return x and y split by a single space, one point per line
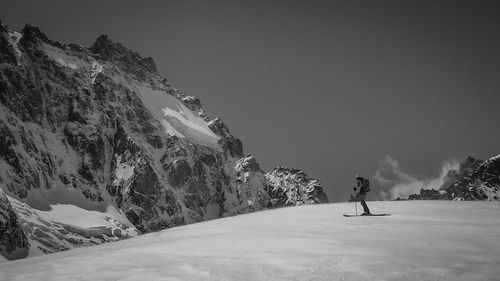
330 87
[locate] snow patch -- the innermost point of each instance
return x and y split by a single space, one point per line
73 215
70 65
123 173
176 118
64 59
495 158
123 170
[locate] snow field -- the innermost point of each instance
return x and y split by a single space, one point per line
422 240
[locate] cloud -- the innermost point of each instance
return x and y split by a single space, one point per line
397 183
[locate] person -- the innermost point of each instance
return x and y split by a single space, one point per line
361 189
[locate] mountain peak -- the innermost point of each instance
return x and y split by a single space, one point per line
110 50
103 39
31 33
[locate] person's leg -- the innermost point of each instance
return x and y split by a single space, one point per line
363 203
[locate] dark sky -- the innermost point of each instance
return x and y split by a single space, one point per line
330 87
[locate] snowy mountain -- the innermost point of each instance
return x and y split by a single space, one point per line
421 240
474 180
97 146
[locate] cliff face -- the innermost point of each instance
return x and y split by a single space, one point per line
98 131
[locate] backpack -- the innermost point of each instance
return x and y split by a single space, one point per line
366 186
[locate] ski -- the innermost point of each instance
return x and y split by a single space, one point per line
371 215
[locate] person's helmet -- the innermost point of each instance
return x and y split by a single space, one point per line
358 176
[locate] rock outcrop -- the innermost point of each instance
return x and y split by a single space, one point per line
290 187
428 194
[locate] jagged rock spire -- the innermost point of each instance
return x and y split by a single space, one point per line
291 186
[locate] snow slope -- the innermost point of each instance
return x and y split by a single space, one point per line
176 117
422 240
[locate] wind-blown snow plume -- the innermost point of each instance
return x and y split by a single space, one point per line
398 183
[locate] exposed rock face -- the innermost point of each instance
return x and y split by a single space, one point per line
290 186
229 143
99 130
466 168
6 50
13 242
483 183
474 180
248 175
129 60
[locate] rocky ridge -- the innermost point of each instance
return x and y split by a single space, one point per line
293 187
474 180
98 131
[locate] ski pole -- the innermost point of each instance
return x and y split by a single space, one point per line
355 204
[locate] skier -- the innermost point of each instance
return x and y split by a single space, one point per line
361 189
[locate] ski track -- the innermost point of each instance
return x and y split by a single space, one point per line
421 240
